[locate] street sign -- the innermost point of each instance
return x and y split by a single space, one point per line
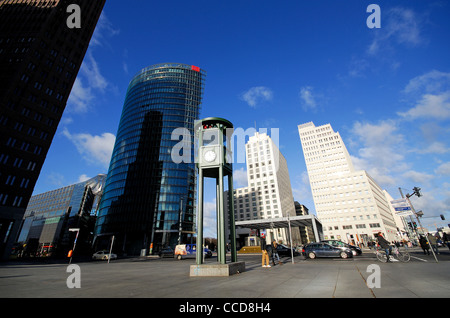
404 213
402 207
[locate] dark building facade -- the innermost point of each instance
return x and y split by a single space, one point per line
149 200
50 216
40 56
306 232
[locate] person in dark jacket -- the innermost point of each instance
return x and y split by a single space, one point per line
446 240
275 253
384 244
424 245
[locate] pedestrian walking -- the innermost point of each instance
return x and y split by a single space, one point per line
446 240
265 255
405 243
269 252
424 245
384 245
275 253
433 242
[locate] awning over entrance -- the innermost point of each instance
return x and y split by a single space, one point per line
283 222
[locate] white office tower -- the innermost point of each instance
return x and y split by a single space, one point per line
350 204
269 192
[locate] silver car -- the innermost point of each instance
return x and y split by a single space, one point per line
103 255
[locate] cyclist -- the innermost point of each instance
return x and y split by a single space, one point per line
384 245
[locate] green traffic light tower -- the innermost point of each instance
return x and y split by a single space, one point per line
214 160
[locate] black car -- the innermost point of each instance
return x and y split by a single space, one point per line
166 252
321 249
355 249
284 250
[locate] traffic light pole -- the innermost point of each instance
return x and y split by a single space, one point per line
420 224
411 230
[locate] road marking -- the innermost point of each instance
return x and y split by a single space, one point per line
420 259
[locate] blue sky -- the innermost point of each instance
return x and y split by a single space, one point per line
278 64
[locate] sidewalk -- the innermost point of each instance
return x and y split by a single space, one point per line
168 278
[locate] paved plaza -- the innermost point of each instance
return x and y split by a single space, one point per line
151 277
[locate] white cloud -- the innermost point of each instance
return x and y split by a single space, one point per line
83 177
443 169
358 67
380 150
240 178
434 147
257 94
94 149
79 97
400 25
56 179
307 98
431 93
209 219
92 72
301 190
431 82
103 28
431 205
418 177
88 81
430 106
403 151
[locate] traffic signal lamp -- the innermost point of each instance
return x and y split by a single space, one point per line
417 191
442 217
415 225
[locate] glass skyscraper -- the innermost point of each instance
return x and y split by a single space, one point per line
40 56
50 215
149 200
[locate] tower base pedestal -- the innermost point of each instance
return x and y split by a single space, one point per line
217 269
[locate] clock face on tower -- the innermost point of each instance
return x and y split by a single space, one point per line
209 156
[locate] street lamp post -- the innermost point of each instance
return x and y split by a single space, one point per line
110 248
74 243
290 238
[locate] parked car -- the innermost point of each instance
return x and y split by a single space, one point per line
285 250
103 255
189 251
321 249
166 252
355 249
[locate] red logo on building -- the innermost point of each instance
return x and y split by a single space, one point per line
195 68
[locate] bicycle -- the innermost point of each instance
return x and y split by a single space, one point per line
381 255
396 254
401 255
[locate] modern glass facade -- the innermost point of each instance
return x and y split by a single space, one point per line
149 200
50 215
39 61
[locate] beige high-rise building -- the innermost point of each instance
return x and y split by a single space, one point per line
350 204
269 192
